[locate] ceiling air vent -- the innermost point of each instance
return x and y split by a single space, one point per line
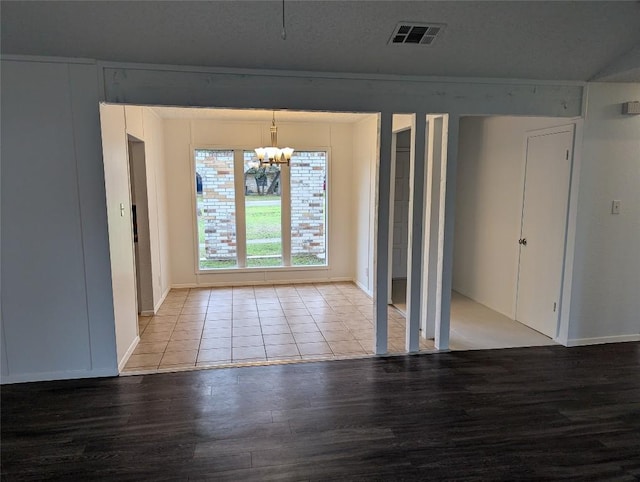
416 33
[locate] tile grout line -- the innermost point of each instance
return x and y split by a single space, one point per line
315 296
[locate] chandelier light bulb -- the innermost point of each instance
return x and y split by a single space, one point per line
273 154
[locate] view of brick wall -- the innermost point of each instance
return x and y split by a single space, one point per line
308 173
217 208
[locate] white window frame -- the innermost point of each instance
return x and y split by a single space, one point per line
241 243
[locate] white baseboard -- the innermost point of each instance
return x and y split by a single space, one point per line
62 375
363 288
128 353
602 339
147 313
162 298
260 283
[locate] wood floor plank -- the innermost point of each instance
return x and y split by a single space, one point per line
545 413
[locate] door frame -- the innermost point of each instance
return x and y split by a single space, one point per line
576 127
136 157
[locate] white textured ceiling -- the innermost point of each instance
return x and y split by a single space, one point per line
509 39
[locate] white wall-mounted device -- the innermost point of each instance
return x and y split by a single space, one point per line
631 108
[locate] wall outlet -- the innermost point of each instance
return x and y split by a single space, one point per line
615 206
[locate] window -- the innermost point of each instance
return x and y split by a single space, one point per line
308 208
270 236
216 209
263 213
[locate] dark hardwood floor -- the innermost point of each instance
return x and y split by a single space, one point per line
528 413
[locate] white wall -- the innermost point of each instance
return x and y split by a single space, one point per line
182 135
57 314
365 154
491 162
402 122
71 332
144 124
117 122
606 278
116 180
154 143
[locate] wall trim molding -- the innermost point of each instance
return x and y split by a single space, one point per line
128 353
602 339
61 375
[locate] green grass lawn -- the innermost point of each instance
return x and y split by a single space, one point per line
217 263
263 222
306 260
266 197
264 249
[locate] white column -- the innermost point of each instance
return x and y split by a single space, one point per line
381 261
432 227
392 198
449 166
416 216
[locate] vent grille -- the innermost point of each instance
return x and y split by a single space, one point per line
416 33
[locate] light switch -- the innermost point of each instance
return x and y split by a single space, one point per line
615 206
121 210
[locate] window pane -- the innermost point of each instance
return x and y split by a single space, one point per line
308 208
263 209
216 209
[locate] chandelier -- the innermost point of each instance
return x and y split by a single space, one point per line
274 155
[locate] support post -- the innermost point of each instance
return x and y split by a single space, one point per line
432 226
416 230
381 262
449 166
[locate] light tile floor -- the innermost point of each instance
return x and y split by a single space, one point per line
252 325
476 327
244 325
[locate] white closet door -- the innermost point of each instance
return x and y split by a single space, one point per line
542 240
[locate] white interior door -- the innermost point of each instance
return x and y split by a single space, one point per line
544 220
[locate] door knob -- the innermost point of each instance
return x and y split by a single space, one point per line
522 241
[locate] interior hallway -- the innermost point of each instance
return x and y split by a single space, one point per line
476 327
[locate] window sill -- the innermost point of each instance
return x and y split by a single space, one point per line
260 269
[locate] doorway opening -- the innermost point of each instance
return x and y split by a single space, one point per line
249 263
140 226
512 199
